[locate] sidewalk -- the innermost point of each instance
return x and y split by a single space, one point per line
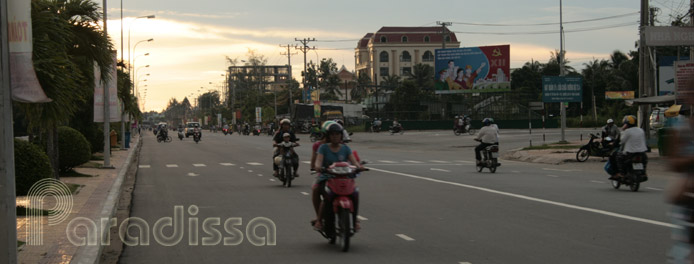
92 201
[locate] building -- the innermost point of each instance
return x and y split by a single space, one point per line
395 50
242 78
347 82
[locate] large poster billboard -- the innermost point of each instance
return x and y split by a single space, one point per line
559 89
473 70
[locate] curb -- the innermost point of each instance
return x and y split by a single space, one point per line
92 254
524 156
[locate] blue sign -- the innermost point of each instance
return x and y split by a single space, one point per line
557 89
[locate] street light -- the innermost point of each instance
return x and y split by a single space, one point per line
129 28
135 47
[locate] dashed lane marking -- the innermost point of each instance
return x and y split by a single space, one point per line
361 218
304 193
193 174
437 169
553 176
260 175
254 163
386 161
465 161
144 166
306 162
655 189
548 169
199 165
272 180
413 161
171 165
251 171
405 237
515 171
227 164
597 181
439 161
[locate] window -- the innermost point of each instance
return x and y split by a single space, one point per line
404 38
426 39
448 38
428 56
384 71
405 71
384 39
405 57
383 56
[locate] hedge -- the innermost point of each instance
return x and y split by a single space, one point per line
73 148
31 164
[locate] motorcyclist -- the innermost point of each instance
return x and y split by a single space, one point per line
632 142
487 136
611 131
377 123
329 153
285 127
345 134
162 132
456 123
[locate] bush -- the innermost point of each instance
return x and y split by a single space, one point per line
31 164
73 148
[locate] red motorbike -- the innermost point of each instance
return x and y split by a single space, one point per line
339 219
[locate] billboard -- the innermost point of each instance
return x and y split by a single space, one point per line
557 89
666 74
473 70
25 85
684 73
114 108
619 95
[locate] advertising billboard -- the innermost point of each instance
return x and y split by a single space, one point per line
473 70
619 95
558 89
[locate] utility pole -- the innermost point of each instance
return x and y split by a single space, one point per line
562 109
107 104
8 213
691 23
444 32
304 48
644 72
289 80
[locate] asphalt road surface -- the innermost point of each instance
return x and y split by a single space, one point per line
422 202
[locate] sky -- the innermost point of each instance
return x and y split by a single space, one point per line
193 38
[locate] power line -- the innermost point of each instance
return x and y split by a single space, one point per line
547 24
547 31
338 40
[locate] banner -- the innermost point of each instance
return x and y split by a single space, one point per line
684 73
558 89
619 95
114 105
25 85
666 74
669 36
258 115
473 70
315 98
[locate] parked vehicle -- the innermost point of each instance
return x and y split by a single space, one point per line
596 148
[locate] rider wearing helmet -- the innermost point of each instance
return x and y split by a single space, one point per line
611 131
333 151
345 134
633 142
487 136
285 127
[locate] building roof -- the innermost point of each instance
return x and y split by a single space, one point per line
415 35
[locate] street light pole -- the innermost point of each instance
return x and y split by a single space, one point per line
129 28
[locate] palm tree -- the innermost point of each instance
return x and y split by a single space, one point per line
391 82
361 88
423 76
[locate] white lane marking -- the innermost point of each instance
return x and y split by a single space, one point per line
548 169
597 181
439 161
304 193
553 176
254 163
144 166
199 165
524 197
655 189
413 161
260 175
227 164
193 174
437 169
272 179
465 161
361 218
171 165
251 171
306 162
464 262
515 171
241 168
386 161
406 238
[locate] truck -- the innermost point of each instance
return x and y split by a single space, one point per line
303 116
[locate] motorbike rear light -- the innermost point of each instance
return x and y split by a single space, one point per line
495 149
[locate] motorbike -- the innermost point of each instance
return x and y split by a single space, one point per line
340 221
634 172
595 148
316 135
284 163
180 135
271 131
161 137
396 129
490 158
458 130
225 131
376 127
256 131
246 132
196 136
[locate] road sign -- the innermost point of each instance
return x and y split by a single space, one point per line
669 36
557 89
536 105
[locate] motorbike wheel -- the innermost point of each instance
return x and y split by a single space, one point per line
168 139
582 155
345 219
313 139
634 187
158 140
616 184
480 167
402 131
471 131
492 168
457 132
288 176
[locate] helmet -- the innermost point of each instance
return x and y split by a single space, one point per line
286 135
326 124
610 121
629 120
456 117
335 127
491 120
486 121
339 121
285 121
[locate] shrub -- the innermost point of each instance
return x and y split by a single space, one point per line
31 164
73 148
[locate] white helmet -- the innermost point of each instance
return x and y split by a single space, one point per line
610 121
286 135
285 121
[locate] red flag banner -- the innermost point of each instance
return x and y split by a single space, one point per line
25 85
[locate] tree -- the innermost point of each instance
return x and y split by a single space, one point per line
360 90
328 80
423 76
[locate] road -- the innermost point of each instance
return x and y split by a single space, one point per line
422 202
